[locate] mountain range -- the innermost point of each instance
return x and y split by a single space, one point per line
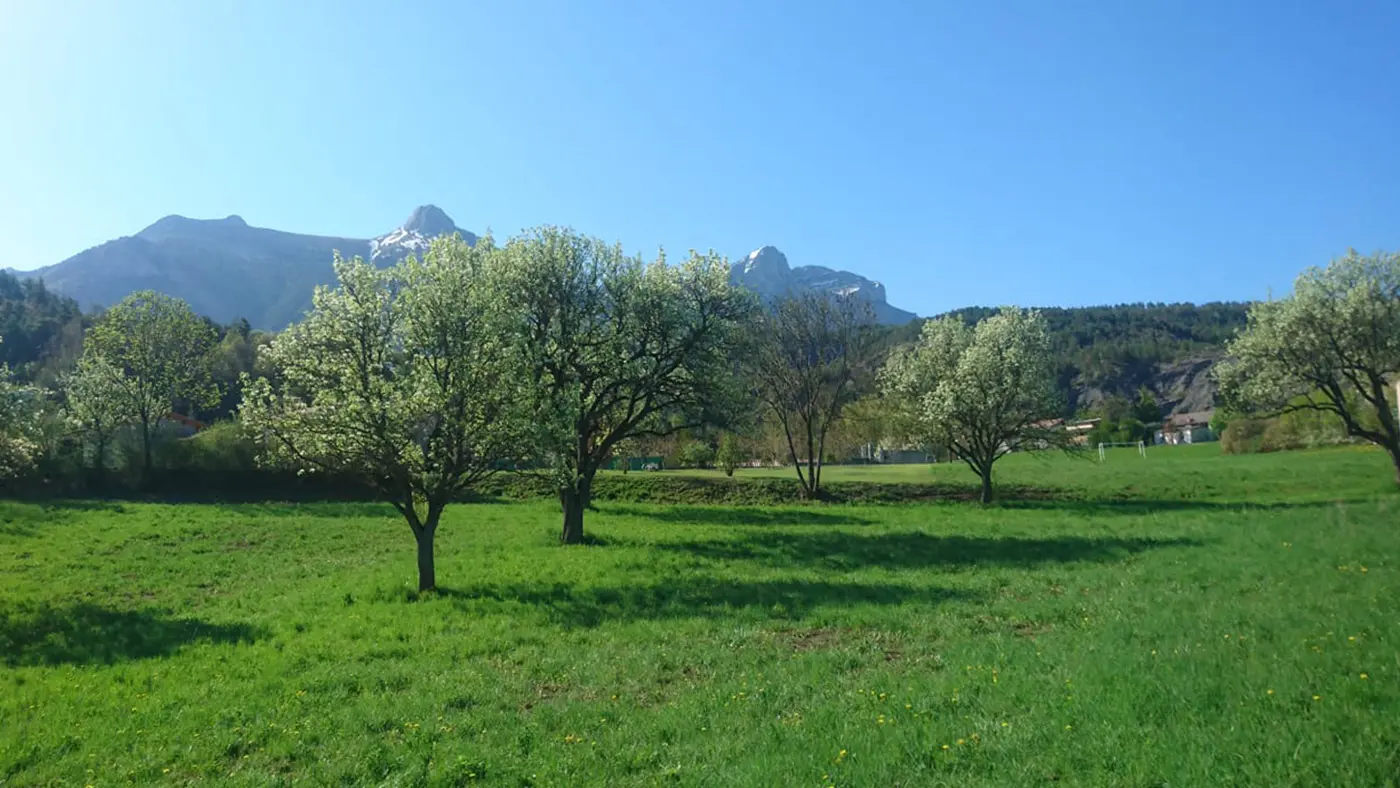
227 270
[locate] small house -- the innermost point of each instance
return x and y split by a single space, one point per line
1180 428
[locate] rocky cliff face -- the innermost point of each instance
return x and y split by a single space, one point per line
1183 386
766 271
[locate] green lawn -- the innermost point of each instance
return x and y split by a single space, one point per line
1184 620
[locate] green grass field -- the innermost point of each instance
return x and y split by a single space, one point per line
1188 619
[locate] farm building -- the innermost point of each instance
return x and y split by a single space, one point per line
1180 428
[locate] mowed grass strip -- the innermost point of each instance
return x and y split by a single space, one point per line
1190 619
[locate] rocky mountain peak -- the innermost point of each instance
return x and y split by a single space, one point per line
429 221
766 258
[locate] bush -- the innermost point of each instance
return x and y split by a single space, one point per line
730 454
222 447
697 454
1243 436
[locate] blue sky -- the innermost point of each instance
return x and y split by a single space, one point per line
963 153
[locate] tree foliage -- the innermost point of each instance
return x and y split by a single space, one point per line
982 391
95 410
816 354
1330 346
615 348
1117 349
161 348
21 431
43 330
397 377
730 454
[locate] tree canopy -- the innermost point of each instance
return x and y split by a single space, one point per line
399 378
161 349
613 347
1331 345
982 391
815 355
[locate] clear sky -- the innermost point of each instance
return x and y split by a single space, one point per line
1034 153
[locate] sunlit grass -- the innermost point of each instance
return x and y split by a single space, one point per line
1184 620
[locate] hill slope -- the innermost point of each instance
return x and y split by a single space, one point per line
1106 351
226 269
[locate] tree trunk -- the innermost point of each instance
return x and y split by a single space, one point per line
572 504
987 484
1394 449
146 463
427 572
585 493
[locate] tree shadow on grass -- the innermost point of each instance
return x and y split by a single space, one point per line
1142 506
742 515
845 550
85 633
690 597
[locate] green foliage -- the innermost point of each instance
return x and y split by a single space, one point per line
95 406
43 330
984 391
1329 346
21 428
398 377
160 350
221 448
1127 430
1146 409
614 348
1119 348
1083 639
697 454
731 453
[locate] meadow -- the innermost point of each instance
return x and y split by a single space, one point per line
1188 619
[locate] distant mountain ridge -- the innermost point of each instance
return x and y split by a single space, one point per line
766 271
227 270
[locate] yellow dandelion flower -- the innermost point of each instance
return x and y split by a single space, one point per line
1269 692
945 746
1067 727
1317 697
1364 677
962 741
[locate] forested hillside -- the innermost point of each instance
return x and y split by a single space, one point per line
41 330
1106 350
1100 350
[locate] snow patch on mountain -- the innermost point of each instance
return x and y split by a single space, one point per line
415 235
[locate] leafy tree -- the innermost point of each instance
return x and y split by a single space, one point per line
615 348
1146 409
697 454
94 405
161 349
730 454
815 355
1329 346
21 431
983 391
398 378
